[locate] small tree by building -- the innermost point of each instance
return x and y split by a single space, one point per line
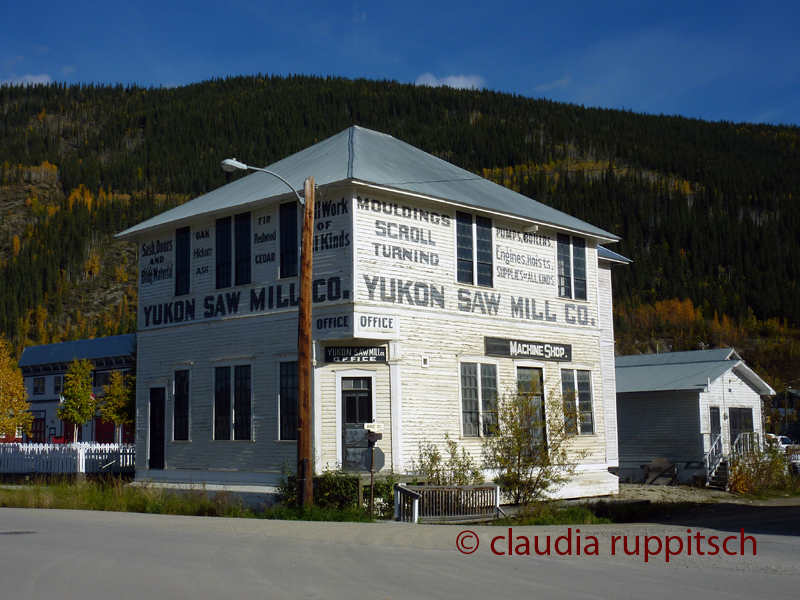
79 403
531 449
14 407
457 468
118 403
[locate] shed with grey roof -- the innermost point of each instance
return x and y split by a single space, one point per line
675 405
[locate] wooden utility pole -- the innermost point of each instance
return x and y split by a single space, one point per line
305 458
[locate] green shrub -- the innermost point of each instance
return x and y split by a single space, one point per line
454 469
336 489
762 473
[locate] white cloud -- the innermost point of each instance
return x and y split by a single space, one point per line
27 80
67 70
453 81
553 85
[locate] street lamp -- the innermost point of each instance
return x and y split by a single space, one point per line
305 459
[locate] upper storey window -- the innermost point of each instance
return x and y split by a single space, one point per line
571 267
474 249
289 241
182 261
228 230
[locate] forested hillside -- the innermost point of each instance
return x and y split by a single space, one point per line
708 212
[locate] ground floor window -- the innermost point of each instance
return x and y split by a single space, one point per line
530 388
479 399
576 390
287 404
232 403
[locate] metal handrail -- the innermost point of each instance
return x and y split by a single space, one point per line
406 504
746 442
713 457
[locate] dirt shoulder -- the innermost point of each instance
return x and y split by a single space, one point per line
675 493
694 495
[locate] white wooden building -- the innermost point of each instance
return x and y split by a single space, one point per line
43 368
434 290
674 405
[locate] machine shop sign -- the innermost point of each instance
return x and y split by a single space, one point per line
528 349
355 354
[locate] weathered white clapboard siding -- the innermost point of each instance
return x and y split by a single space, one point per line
157 262
606 319
436 325
659 425
729 391
262 342
377 276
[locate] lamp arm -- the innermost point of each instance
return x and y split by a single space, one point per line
299 198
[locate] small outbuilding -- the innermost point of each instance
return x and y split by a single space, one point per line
688 408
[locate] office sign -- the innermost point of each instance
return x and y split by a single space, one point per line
355 354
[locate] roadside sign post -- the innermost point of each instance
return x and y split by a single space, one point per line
372 438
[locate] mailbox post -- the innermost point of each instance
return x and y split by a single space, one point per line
372 438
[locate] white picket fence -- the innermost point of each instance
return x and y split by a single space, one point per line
81 457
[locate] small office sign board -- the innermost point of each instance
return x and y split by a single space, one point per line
355 354
527 349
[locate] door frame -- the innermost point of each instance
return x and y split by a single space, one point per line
163 386
360 373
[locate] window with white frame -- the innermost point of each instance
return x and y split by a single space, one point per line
474 249
38 385
576 391
58 382
571 267
530 386
232 403
479 399
288 400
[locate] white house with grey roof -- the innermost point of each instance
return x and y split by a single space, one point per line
434 292
676 405
43 369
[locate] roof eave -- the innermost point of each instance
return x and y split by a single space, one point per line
604 238
132 234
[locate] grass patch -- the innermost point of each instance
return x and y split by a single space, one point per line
116 495
595 513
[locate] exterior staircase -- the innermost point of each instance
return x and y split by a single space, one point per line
719 480
716 462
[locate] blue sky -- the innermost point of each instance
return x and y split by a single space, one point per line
735 61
